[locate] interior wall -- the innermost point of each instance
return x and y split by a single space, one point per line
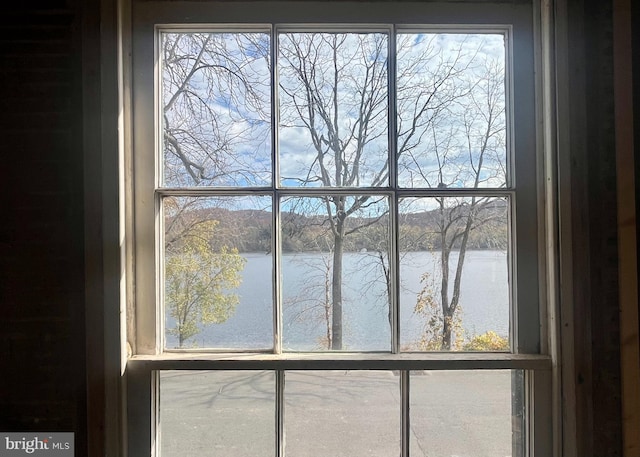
599 378
42 309
587 157
635 50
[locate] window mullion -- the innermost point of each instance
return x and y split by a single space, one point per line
405 424
275 162
280 380
394 259
276 269
160 273
275 181
392 100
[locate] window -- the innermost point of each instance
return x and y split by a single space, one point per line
336 231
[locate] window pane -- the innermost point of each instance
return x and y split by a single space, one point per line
454 281
342 413
218 263
216 109
451 110
217 413
336 273
333 109
467 413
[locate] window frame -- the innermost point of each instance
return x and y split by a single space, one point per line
530 352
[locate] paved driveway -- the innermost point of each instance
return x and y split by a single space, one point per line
335 414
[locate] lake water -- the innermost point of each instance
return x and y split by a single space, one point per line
484 301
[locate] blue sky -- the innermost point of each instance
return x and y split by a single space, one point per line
229 133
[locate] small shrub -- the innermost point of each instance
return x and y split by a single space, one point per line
489 341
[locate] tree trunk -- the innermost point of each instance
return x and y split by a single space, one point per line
386 270
457 281
336 286
444 296
446 332
327 304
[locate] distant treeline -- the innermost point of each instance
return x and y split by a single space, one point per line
250 230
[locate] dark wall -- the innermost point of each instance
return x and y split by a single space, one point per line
42 292
635 37
593 162
42 335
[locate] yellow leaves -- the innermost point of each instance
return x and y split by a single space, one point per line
199 279
426 303
432 336
488 341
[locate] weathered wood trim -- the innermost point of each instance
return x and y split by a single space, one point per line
94 268
101 109
627 243
569 438
588 232
341 361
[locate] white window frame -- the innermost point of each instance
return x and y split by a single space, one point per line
531 351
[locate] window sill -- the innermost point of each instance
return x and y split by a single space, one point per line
340 361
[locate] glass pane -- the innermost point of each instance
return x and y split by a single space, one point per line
217 272
454 274
463 413
216 109
342 414
452 128
217 413
335 273
333 109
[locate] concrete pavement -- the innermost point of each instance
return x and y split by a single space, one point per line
335 414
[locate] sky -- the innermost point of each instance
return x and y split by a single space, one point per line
447 85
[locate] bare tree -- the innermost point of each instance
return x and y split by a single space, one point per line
334 93
215 95
455 142
313 301
305 218
334 129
